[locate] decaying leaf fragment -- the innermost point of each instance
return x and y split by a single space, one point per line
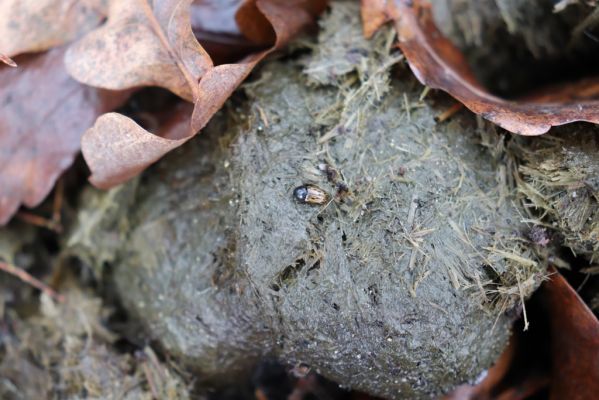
437 63
43 115
162 51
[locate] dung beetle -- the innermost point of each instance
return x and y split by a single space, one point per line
310 194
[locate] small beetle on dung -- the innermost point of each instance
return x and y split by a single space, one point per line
310 194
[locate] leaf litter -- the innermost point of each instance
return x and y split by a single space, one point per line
513 116
116 148
39 25
139 45
438 64
43 116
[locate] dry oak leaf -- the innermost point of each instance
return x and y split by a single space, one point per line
213 24
116 148
141 45
375 13
28 26
43 115
506 380
437 63
492 378
574 342
565 330
284 19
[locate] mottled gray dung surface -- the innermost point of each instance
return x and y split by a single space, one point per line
388 289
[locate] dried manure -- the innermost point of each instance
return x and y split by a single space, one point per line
399 285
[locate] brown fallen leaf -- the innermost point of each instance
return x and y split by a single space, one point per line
141 45
493 377
213 24
216 16
375 13
116 148
559 355
36 25
513 377
286 18
574 342
437 63
43 115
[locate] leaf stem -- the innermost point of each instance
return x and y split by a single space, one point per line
193 84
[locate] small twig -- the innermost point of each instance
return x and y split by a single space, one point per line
589 22
410 223
54 223
329 135
263 116
37 220
407 107
584 282
450 112
412 211
29 279
150 380
57 206
526 323
7 60
424 93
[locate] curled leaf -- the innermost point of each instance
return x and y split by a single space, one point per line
43 115
121 131
116 149
141 45
216 16
286 19
213 24
437 63
375 13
